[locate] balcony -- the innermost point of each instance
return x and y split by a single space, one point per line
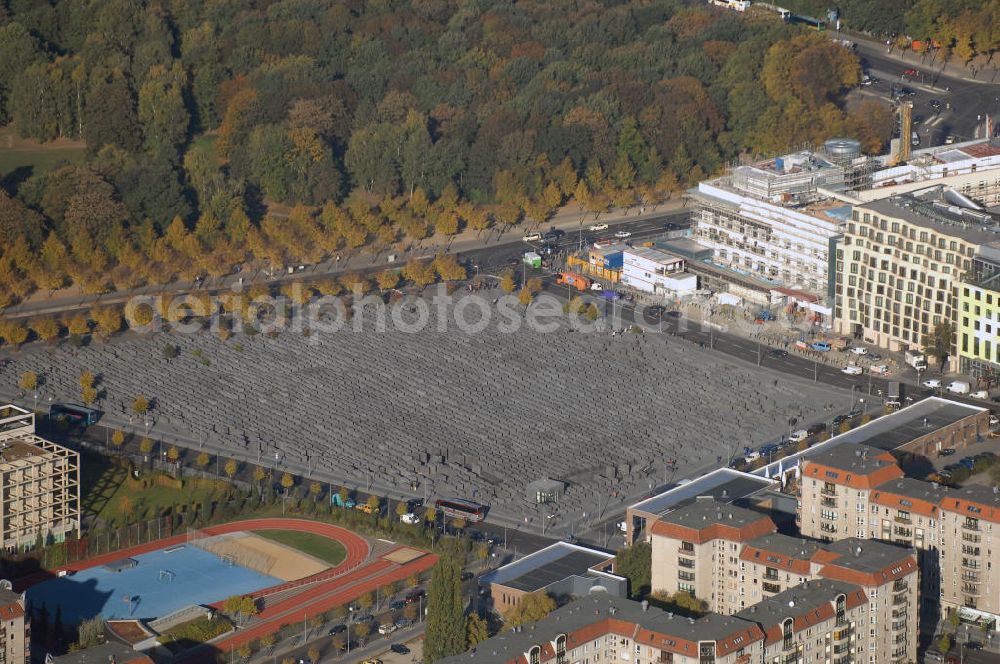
899 625
828 502
827 528
685 562
903 519
841 634
971 589
830 490
971 537
899 586
840 649
902 532
771 576
771 587
970 564
971 525
898 600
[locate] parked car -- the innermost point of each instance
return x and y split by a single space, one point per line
852 370
994 420
397 605
623 234
552 236
532 237
947 451
414 596
656 311
859 350
980 394
818 427
949 139
798 436
935 104
880 370
957 387
770 448
840 419
467 576
386 628
337 629
403 622
821 346
410 518
910 72
597 227
777 353
932 383
399 649
968 462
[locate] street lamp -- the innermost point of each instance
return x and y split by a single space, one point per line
350 621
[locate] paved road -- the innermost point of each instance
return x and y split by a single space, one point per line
500 241
968 98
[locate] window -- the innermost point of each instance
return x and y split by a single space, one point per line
534 655
786 633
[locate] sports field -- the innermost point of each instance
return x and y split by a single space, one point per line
329 551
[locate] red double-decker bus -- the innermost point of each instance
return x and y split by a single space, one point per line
461 509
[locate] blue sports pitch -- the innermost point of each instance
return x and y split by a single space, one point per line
162 582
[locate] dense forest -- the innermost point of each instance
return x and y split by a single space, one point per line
964 28
378 120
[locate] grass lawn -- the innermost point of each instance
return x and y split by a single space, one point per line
18 153
329 551
108 491
190 634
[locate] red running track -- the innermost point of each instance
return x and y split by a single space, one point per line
356 547
335 592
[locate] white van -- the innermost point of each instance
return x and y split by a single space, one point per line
958 387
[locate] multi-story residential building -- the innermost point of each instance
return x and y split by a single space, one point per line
769 565
15 627
775 219
899 268
970 579
978 327
836 487
693 545
816 621
40 480
826 620
907 511
951 529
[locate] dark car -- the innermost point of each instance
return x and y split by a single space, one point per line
414 596
777 353
853 413
466 576
840 419
552 236
655 312
935 104
814 429
907 92
397 605
874 356
514 261
399 648
948 451
337 629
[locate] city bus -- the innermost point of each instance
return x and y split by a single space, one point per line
461 509
75 415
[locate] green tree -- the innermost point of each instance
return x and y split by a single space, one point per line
635 563
476 630
445 633
28 380
531 608
939 341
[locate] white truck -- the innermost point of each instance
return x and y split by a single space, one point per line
410 518
958 387
916 359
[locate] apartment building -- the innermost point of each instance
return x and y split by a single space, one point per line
970 581
978 328
694 545
825 620
816 621
901 262
835 488
774 219
15 628
769 565
41 483
950 529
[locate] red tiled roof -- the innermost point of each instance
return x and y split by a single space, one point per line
714 531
